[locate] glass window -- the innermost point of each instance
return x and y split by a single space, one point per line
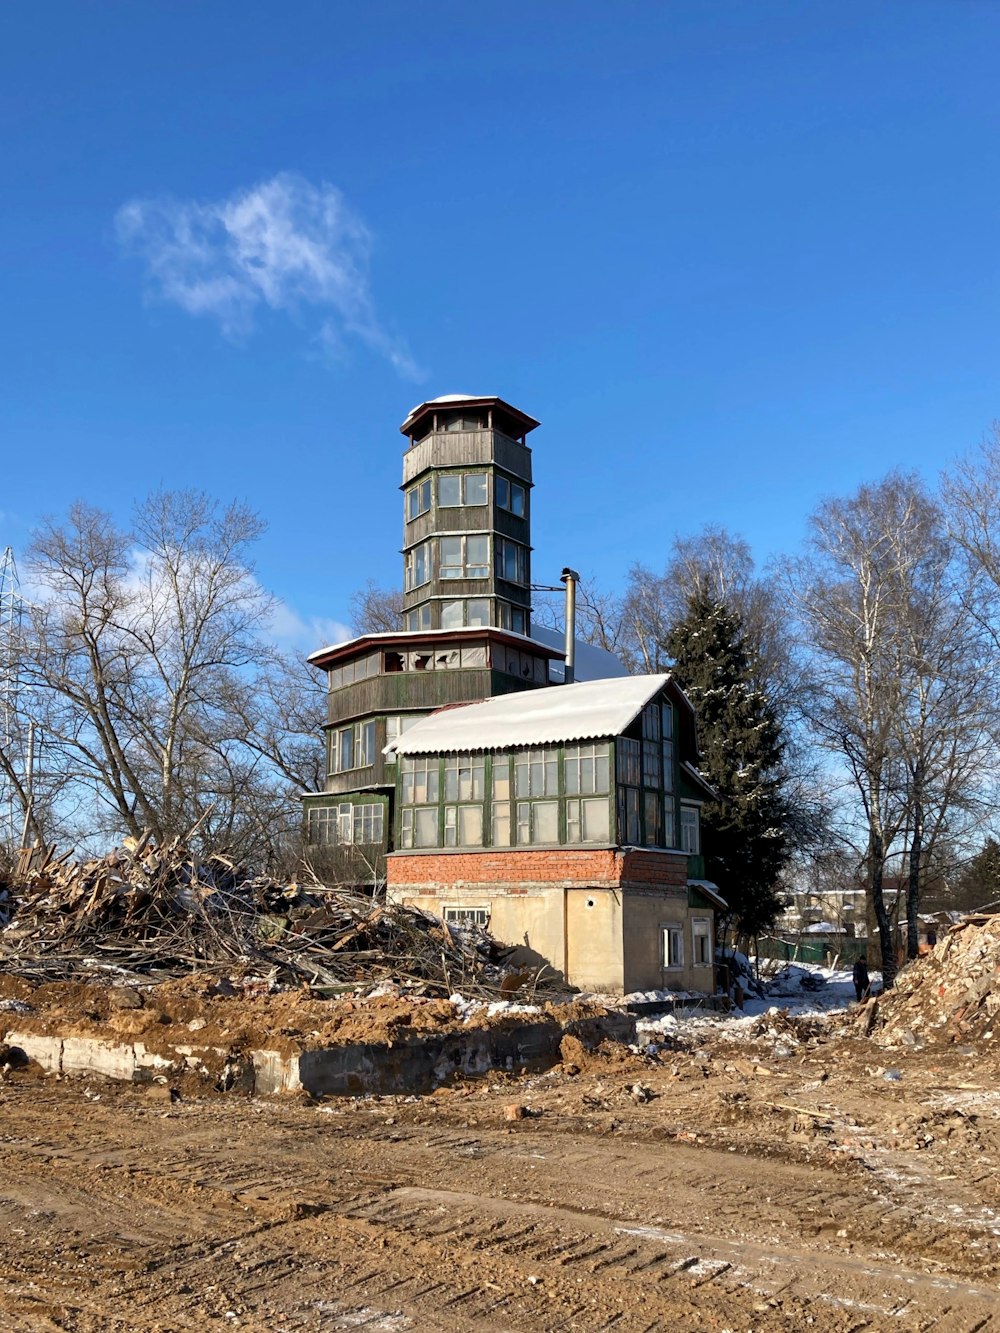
418 500
457 489
420 780
477 557
586 769
501 777
418 566
467 916
653 818
346 824
510 496
512 561
397 723
366 754
449 490
651 723
537 821
451 615
345 750
475 488
474 612
463 826
588 821
668 766
701 940
669 826
651 768
537 772
690 830
464 557
628 761
452 563
418 619
501 824
628 816
425 826
473 655
465 777
673 946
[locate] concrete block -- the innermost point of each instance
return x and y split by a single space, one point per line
46 1051
87 1055
275 1073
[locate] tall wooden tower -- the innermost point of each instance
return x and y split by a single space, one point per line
467 515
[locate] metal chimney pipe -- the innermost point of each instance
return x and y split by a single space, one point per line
571 578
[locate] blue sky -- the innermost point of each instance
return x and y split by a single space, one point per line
735 257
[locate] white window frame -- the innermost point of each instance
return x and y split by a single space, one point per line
672 946
462 570
418 566
701 929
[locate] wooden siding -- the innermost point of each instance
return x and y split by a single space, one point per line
399 691
467 448
464 518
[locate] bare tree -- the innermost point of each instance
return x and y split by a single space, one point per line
375 610
156 686
901 677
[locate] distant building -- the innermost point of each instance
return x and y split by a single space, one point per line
564 817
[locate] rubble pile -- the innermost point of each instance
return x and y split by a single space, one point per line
949 995
148 912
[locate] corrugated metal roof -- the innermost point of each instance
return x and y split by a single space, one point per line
584 711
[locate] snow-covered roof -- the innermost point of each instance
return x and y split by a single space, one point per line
710 891
583 711
591 663
449 398
421 636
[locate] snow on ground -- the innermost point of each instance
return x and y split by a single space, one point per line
802 989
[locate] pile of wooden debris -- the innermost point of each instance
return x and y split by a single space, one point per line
153 912
950 995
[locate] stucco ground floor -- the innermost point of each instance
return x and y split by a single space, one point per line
607 919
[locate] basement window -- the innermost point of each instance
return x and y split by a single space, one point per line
467 916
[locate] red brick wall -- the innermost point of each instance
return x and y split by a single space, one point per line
595 866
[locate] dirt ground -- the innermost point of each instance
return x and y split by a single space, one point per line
796 1180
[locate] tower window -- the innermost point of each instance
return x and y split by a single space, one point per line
510 496
418 500
474 611
458 488
512 561
465 557
418 566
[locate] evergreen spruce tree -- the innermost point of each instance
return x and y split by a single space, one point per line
745 835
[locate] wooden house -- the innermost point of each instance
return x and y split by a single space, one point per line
568 821
564 816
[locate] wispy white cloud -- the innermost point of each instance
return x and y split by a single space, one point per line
291 630
285 245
